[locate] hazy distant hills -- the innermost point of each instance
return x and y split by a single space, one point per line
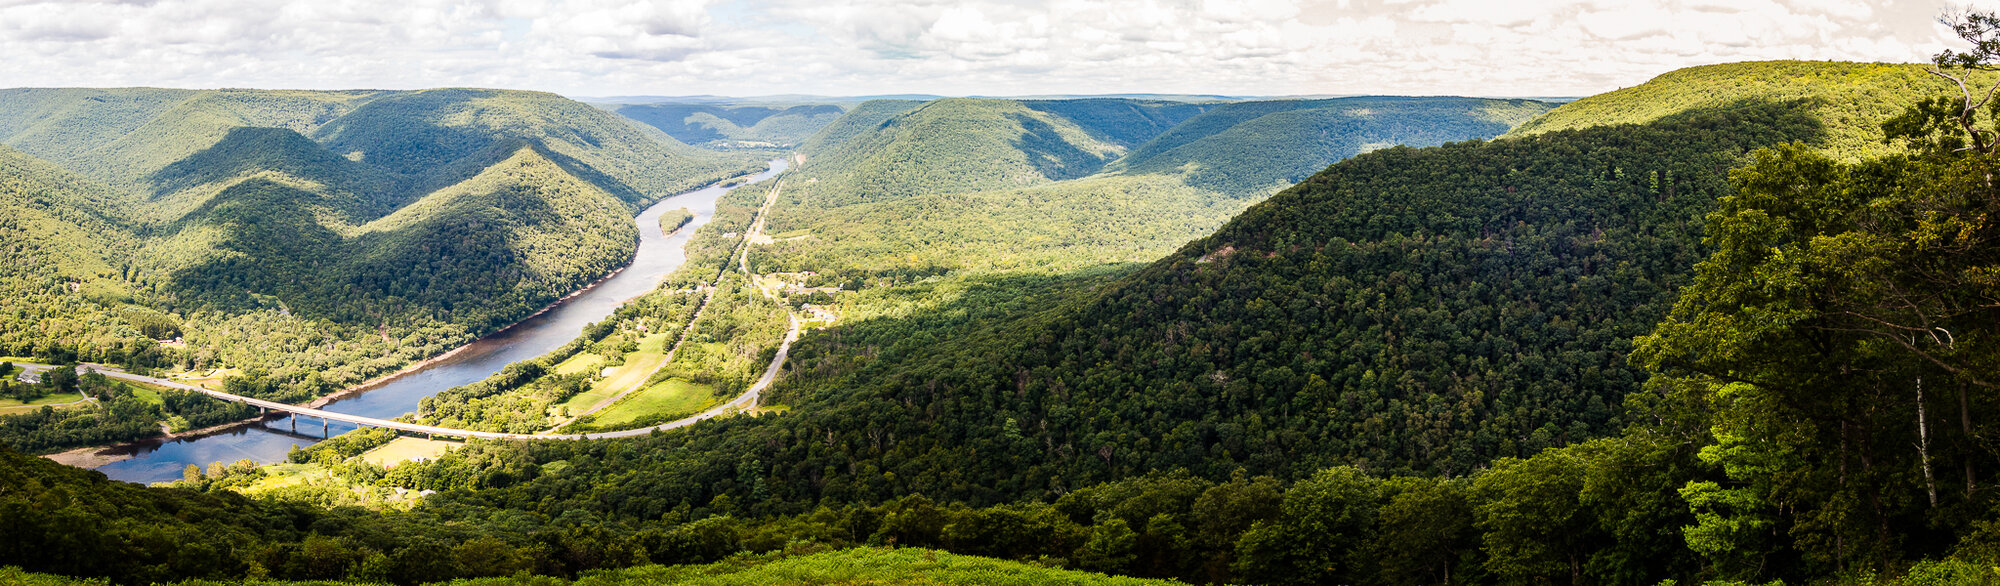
1351 339
1247 146
449 212
1412 309
905 187
733 126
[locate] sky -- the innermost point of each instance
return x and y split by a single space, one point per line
585 48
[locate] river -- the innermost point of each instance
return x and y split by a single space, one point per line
269 440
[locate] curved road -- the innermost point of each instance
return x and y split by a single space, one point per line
743 251
749 397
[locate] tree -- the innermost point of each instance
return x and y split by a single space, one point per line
1844 333
1328 520
1982 29
1426 529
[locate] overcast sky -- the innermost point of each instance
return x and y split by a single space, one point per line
856 47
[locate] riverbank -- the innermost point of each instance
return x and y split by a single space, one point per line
419 366
94 456
393 394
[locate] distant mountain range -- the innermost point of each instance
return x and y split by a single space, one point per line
819 99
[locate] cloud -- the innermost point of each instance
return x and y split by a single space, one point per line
742 47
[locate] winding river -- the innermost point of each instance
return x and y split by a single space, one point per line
268 440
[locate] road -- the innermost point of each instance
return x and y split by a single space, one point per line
747 399
742 401
743 248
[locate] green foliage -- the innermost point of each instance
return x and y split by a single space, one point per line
733 126
1055 228
1246 148
312 240
1326 522
950 145
347 445
113 414
674 220
1839 334
1850 99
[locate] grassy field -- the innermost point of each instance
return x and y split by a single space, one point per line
670 396
639 364
318 484
211 380
865 565
15 406
582 362
405 449
145 392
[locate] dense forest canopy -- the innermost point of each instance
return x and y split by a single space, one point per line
1732 326
934 201
308 241
1850 99
734 126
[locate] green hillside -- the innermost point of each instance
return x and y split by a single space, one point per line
742 126
836 139
353 192
1245 147
949 145
120 136
1190 167
519 234
1850 99
1054 228
68 253
75 223
445 136
1127 123
375 227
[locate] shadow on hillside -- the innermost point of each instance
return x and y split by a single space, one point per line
939 317
1051 155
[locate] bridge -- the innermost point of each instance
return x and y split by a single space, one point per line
743 401
749 397
324 415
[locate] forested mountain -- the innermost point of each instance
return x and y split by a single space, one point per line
376 227
1849 99
733 126
1244 147
1418 310
936 197
1461 314
62 235
120 136
953 145
1414 310
1680 332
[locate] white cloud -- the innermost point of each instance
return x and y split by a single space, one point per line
743 47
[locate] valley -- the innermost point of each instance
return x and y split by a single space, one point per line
1728 326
